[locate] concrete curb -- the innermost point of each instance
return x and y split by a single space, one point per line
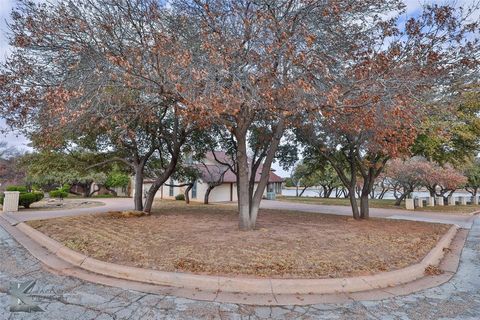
245 285
474 213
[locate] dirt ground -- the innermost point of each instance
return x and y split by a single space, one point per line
206 240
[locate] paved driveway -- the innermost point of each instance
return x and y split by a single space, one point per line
111 204
70 298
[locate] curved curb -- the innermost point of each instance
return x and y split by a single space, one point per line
245 285
474 213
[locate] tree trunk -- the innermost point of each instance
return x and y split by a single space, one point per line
86 190
187 191
382 194
365 194
265 173
207 194
364 207
138 195
73 192
447 194
303 190
399 200
114 193
324 192
472 191
358 191
329 193
151 196
93 191
159 181
353 203
243 184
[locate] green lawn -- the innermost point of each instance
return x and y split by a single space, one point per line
379 203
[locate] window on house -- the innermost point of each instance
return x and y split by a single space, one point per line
194 190
170 191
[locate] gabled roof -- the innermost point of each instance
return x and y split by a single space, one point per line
212 172
221 156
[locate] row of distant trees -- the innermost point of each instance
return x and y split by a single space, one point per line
401 177
47 171
150 84
80 171
442 159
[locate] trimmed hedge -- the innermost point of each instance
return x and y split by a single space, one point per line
26 198
21 189
58 194
180 196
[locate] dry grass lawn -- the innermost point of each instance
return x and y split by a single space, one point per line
205 240
374 203
382 203
457 210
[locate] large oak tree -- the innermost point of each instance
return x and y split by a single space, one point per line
107 71
383 91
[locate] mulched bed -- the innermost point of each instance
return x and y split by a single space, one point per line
206 240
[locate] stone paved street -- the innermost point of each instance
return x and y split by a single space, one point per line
68 298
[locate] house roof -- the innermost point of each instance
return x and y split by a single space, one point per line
213 172
273 177
221 156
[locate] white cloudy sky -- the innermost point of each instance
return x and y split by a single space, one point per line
7 5
5 8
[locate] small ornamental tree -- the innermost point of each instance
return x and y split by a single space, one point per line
405 176
190 175
213 176
442 181
381 186
328 180
450 180
316 174
304 177
50 170
116 179
472 172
